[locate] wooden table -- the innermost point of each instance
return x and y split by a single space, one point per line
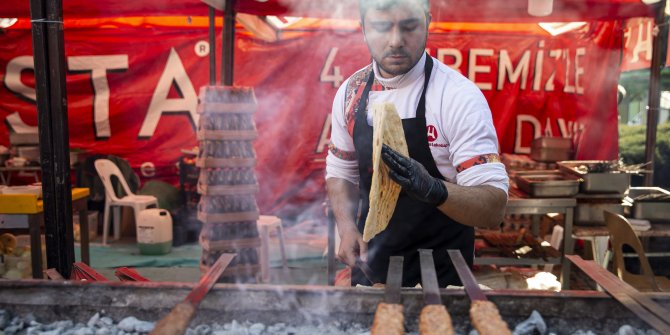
26 211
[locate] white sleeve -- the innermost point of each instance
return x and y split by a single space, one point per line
340 162
473 141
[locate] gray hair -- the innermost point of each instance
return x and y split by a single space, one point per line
364 5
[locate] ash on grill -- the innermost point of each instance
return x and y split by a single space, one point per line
227 180
104 325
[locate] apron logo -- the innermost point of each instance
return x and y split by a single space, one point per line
432 133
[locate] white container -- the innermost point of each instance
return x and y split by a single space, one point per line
24 189
154 231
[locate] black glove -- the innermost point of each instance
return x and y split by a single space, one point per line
414 178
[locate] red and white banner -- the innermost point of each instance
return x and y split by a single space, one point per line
132 92
442 11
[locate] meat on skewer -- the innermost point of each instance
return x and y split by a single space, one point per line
389 320
486 318
435 320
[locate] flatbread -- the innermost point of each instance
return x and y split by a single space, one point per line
384 192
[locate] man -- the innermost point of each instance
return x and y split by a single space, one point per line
452 181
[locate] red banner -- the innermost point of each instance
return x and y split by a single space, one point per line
132 92
442 11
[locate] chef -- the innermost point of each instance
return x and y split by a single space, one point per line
453 179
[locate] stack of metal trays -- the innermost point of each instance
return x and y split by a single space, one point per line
547 184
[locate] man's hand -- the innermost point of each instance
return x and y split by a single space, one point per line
414 178
352 247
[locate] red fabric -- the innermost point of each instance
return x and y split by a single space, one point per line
343 277
443 11
294 103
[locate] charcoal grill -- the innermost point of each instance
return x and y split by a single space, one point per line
565 312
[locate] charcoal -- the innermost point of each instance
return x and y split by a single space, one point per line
203 330
132 324
5 319
105 321
28 325
93 320
84 331
533 325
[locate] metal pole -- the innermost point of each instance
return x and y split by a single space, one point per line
228 43
654 91
49 58
212 47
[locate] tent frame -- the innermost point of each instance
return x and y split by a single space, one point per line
49 57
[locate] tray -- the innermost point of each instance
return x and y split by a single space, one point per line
591 212
548 184
597 182
551 149
646 204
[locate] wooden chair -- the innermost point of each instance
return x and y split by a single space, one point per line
622 233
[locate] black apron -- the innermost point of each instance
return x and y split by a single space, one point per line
414 224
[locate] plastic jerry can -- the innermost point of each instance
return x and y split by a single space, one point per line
154 231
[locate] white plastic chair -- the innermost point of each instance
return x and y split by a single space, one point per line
106 169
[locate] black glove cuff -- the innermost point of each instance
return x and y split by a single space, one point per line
439 194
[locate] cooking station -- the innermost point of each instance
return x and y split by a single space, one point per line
328 309
581 191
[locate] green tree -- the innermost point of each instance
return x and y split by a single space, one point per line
631 150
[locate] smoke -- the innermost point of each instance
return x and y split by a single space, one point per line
330 9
